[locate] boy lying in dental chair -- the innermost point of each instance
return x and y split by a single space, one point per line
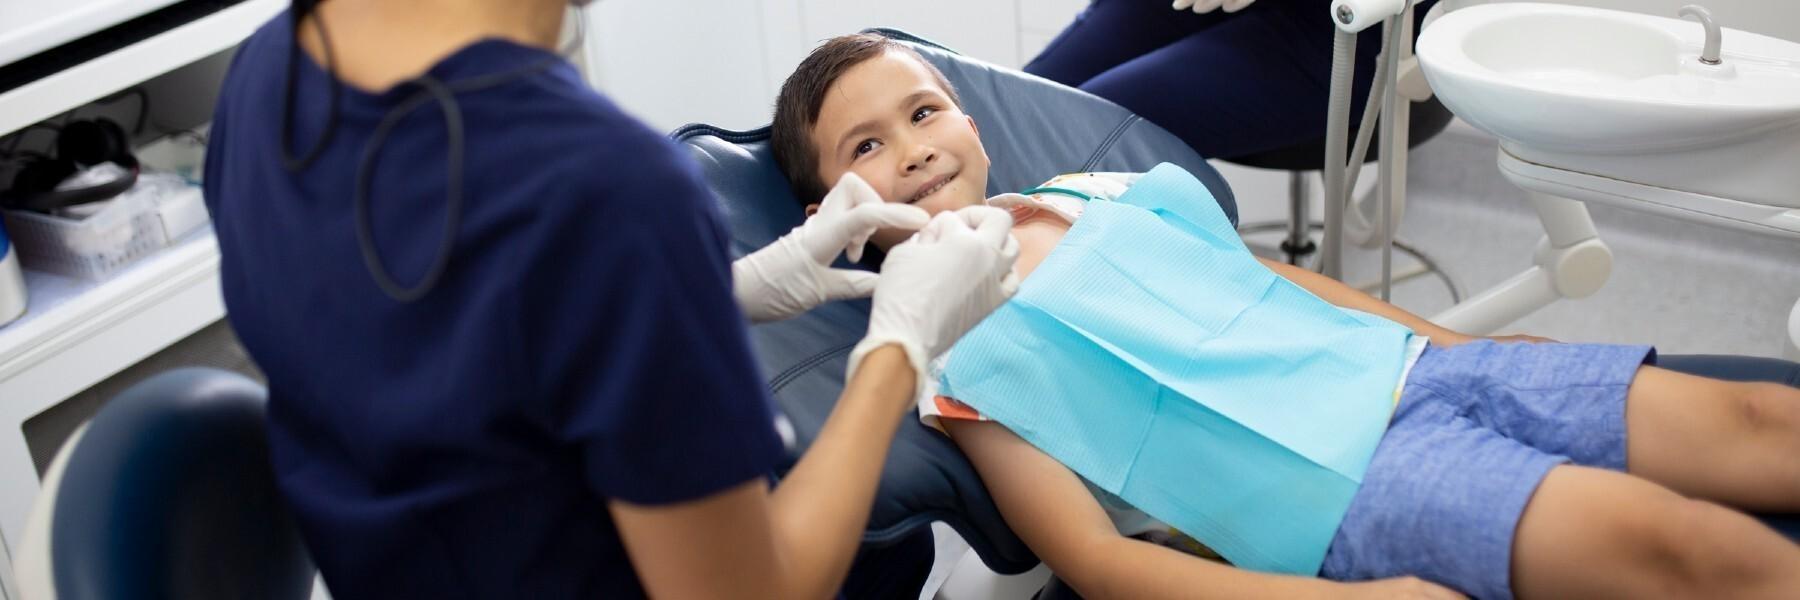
1155 394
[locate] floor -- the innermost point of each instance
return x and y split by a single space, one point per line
1684 287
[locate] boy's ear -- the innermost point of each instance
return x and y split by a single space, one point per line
812 209
971 119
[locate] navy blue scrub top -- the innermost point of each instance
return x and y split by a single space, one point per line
583 345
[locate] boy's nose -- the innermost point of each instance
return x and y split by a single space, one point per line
924 155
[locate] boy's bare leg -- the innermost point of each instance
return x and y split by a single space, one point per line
1736 443
1594 533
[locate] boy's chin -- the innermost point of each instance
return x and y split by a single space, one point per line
886 239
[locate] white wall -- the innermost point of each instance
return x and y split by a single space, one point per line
730 56
677 61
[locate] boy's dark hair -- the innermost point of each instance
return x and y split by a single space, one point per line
797 106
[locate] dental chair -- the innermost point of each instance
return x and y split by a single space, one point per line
1033 129
1025 126
166 493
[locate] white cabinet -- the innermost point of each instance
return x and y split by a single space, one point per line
76 334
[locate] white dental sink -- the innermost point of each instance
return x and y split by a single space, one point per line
1624 96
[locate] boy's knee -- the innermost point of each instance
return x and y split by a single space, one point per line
1767 407
1687 545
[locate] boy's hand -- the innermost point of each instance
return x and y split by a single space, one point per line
1206 6
1399 588
794 274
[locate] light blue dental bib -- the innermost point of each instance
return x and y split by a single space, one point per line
1155 357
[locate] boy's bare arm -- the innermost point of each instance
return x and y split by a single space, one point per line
1336 292
1050 509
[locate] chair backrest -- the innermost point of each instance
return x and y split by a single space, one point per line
1033 129
168 493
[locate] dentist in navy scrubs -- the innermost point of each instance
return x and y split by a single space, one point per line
505 345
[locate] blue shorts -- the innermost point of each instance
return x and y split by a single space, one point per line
1478 427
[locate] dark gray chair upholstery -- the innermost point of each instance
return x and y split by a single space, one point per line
1033 130
169 494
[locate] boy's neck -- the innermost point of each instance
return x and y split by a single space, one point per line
376 44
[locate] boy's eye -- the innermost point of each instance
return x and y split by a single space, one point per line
919 115
865 147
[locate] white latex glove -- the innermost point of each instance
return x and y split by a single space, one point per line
938 285
794 274
1206 6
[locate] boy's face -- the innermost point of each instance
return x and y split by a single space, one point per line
888 121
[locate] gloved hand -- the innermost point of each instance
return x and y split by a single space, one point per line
1206 6
938 285
794 274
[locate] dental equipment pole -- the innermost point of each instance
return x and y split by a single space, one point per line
1360 150
1395 117
1351 17
1337 120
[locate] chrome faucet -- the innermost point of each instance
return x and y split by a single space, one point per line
1710 54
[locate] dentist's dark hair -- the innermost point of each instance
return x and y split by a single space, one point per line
797 106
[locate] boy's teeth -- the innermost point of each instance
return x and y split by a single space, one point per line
931 190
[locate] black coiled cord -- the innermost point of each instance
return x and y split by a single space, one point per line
430 89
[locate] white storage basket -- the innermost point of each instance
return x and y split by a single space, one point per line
89 248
